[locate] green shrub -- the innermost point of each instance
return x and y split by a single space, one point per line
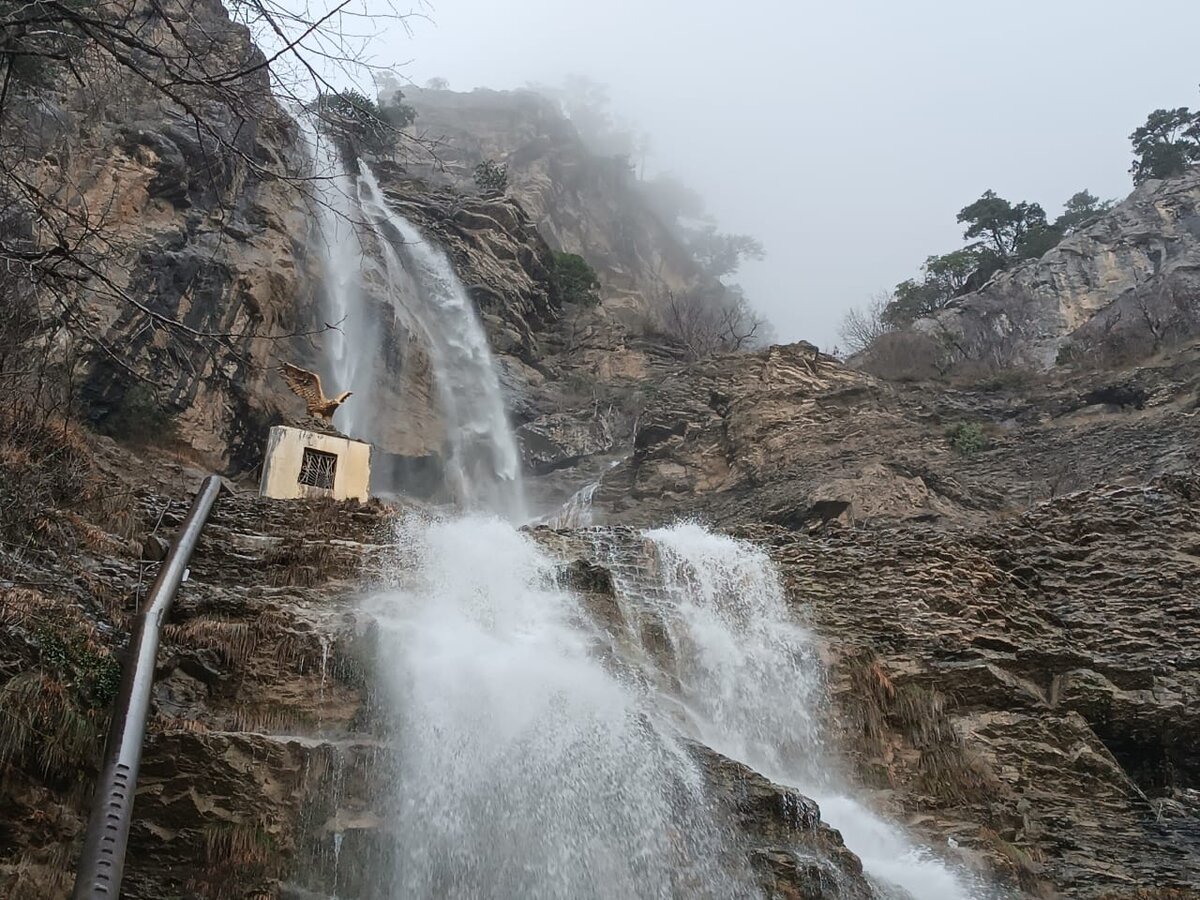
966 438
574 280
491 177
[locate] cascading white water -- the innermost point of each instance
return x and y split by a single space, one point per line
527 769
750 679
371 249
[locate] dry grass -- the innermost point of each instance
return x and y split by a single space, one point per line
300 563
48 873
51 493
1024 866
240 860
234 642
885 714
43 728
53 712
273 718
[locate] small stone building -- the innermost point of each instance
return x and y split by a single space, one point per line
300 463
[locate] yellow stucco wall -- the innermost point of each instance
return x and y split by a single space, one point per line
285 453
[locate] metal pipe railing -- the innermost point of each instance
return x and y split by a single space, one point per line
102 863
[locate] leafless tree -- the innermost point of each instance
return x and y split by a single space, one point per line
70 69
864 325
707 322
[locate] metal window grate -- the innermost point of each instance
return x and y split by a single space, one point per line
318 468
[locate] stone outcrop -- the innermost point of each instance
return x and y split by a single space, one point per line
1124 286
1010 622
794 439
193 284
582 202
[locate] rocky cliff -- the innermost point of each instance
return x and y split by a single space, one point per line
1123 287
1011 617
183 287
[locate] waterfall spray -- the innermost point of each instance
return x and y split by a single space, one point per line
751 681
527 768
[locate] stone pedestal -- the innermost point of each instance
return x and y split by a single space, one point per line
300 463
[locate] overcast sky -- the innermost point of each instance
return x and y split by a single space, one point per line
845 135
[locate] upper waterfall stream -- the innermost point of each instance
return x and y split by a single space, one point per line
378 262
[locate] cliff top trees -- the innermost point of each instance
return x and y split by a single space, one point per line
1002 227
1002 233
722 254
1168 144
362 123
1082 209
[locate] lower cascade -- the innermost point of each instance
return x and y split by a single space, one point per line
547 746
527 767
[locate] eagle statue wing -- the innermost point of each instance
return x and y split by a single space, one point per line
306 384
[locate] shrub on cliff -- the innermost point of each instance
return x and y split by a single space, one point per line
491 177
574 280
1168 144
363 124
966 438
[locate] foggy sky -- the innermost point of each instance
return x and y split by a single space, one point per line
845 135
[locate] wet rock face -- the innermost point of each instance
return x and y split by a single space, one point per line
1009 620
1025 688
783 437
249 756
195 230
795 854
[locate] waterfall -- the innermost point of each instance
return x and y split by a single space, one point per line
750 679
536 757
527 768
370 249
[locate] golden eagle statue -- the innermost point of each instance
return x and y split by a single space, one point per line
307 386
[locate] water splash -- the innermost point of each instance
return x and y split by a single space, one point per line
751 681
371 251
527 768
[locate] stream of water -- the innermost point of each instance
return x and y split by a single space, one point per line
751 679
377 263
533 764
528 769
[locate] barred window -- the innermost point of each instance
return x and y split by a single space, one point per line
317 468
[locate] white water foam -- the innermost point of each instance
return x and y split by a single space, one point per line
527 768
751 680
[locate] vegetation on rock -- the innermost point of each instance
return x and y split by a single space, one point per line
1168 144
574 280
491 177
1002 233
966 438
362 123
